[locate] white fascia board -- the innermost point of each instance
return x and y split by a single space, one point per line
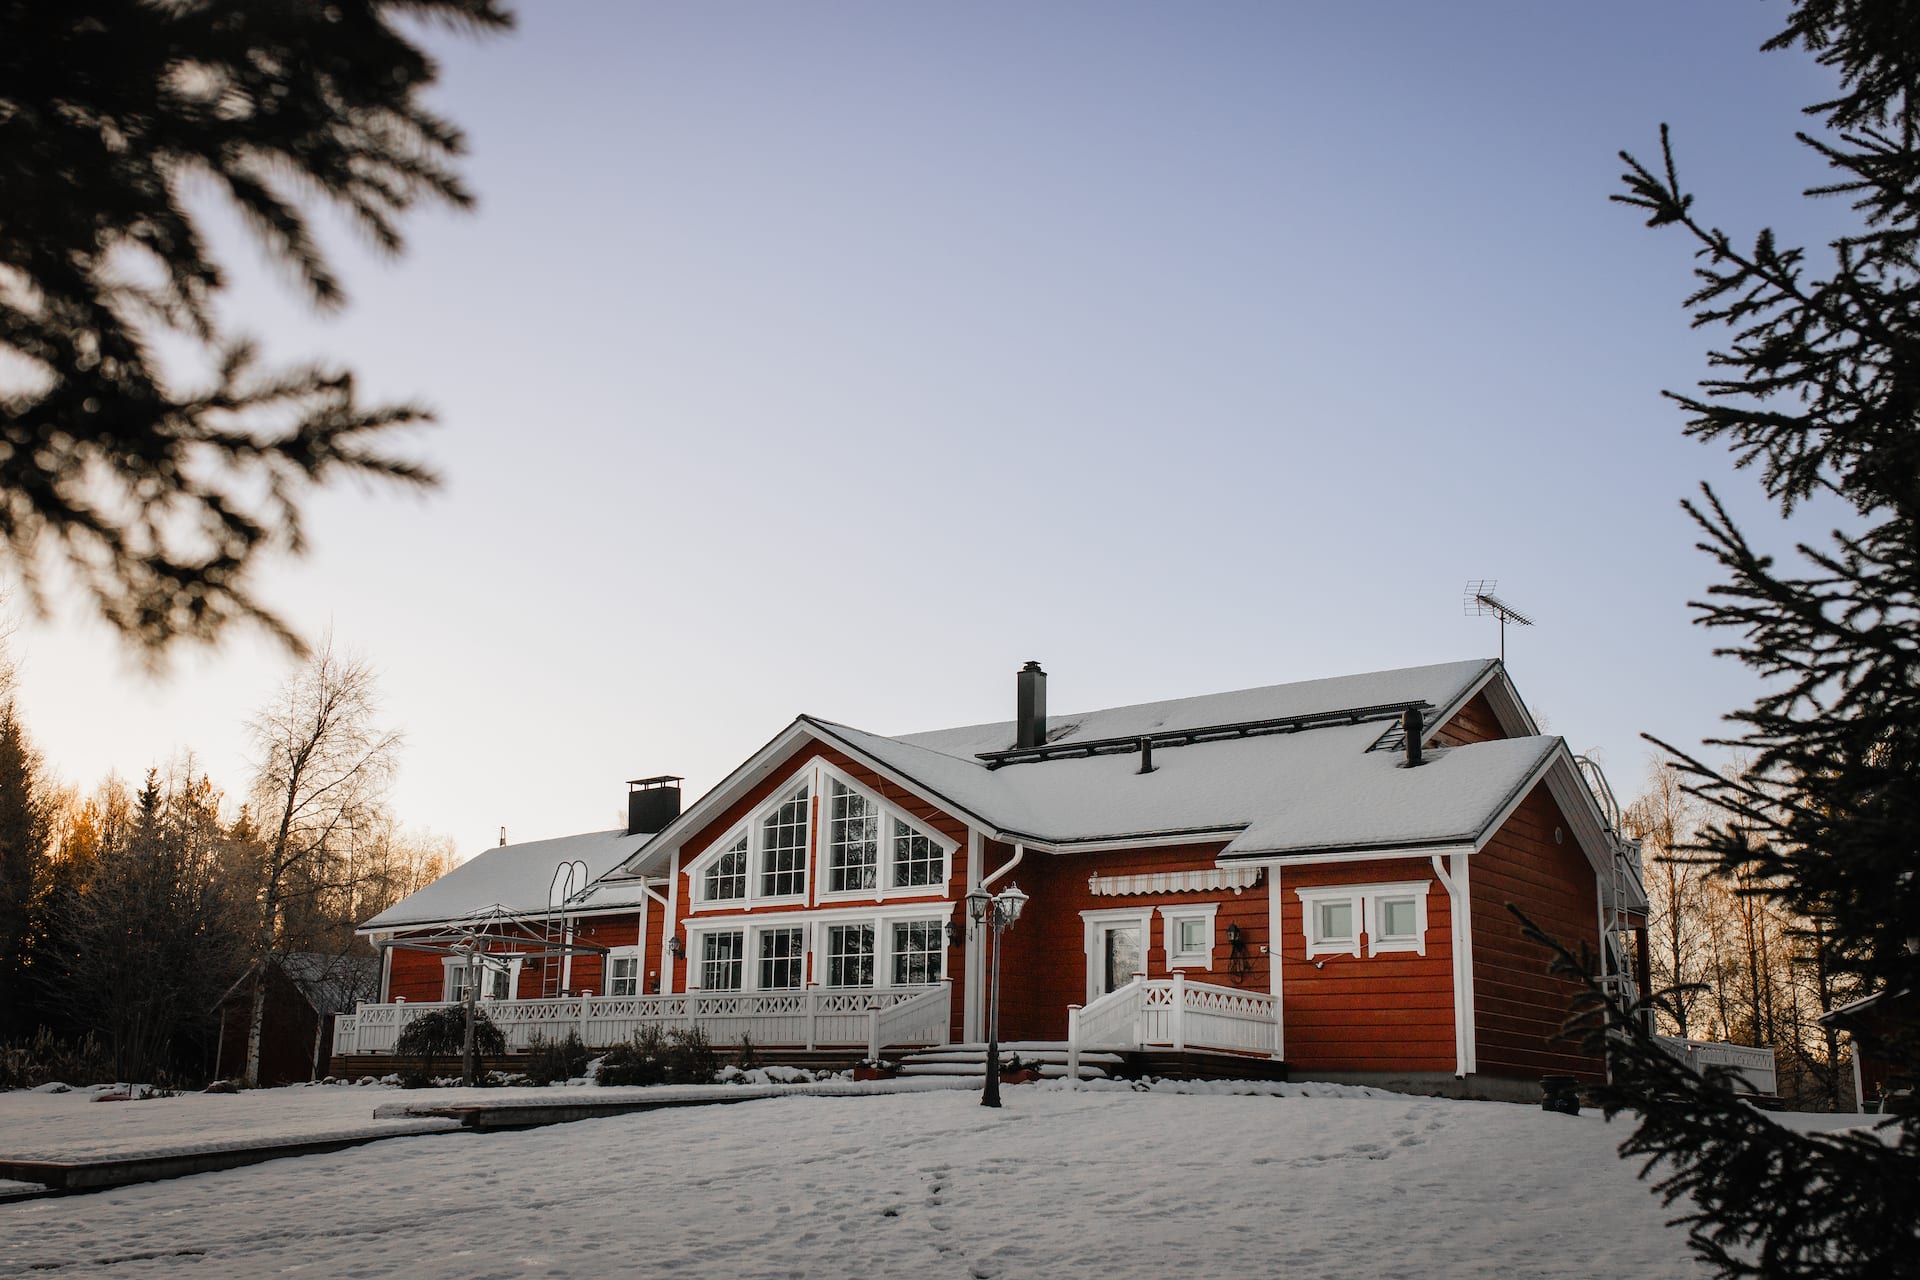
1580 809
1275 861
1501 696
754 771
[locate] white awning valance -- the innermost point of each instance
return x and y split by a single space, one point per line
1210 878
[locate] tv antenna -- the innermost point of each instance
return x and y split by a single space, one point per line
1479 601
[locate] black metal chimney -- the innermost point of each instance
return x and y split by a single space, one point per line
1412 725
1030 717
652 803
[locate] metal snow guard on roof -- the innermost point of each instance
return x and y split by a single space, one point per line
1204 733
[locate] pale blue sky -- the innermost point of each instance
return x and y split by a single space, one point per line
838 358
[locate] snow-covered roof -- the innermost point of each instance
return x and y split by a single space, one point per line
1317 789
514 877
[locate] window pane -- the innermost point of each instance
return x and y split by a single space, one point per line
919 946
720 961
781 959
1336 921
1398 918
727 877
916 859
623 976
850 955
783 848
1193 937
853 835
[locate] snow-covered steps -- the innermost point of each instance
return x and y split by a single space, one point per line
970 1060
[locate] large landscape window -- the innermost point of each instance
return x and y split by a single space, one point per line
721 957
783 959
850 955
783 848
919 946
853 840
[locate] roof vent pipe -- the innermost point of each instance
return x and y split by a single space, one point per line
1146 755
1030 718
1412 726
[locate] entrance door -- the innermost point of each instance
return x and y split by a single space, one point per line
1120 956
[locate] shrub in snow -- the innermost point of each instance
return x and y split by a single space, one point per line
433 1036
745 1057
690 1057
551 1061
45 1057
641 1060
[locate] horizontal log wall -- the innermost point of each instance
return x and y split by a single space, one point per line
1518 1006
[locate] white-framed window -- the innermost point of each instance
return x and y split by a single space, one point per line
867 849
722 959
499 977
783 958
726 877
783 847
1186 934
919 950
1397 922
623 972
1393 917
850 955
853 839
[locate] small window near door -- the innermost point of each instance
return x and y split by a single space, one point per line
623 975
1399 923
1189 936
1333 923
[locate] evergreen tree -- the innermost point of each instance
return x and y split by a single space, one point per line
158 488
1818 389
24 827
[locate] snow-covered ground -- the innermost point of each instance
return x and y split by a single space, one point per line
1094 1183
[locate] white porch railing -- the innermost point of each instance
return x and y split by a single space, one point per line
1753 1066
812 1018
1174 1013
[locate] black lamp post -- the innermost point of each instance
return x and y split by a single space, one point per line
996 912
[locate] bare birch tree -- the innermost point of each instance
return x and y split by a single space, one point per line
1679 949
322 765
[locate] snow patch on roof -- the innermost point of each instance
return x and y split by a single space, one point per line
516 877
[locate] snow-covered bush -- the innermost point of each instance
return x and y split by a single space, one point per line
549 1061
641 1060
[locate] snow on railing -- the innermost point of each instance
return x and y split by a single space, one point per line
812 1017
1754 1067
1177 1014
924 1020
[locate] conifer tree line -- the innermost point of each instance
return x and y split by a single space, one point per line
128 910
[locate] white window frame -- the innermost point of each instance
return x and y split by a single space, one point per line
814 941
1364 900
818 776
606 971
449 988
872 955
1170 920
697 957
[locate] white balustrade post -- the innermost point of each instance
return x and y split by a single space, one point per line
813 1006
586 996
873 1035
1073 1046
1179 1027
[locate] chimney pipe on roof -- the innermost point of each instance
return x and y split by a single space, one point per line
1412 725
652 803
1030 717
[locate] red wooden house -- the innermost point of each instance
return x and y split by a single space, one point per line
1313 873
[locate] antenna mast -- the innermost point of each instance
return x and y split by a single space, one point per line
1478 601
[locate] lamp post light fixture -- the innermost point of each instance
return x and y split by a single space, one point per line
996 913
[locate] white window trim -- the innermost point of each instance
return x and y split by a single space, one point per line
884 887
498 964
1092 922
816 775
1170 918
814 941
1363 898
606 970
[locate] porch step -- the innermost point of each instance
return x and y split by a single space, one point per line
970 1060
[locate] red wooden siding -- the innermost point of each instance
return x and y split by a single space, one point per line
1474 722
1044 968
416 977
1391 1012
1518 1007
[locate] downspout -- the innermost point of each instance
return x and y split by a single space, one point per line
1454 908
1019 852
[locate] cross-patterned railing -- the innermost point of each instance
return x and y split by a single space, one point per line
1174 1013
1755 1067
812 1018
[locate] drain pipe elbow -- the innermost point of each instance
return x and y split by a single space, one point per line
1454 908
